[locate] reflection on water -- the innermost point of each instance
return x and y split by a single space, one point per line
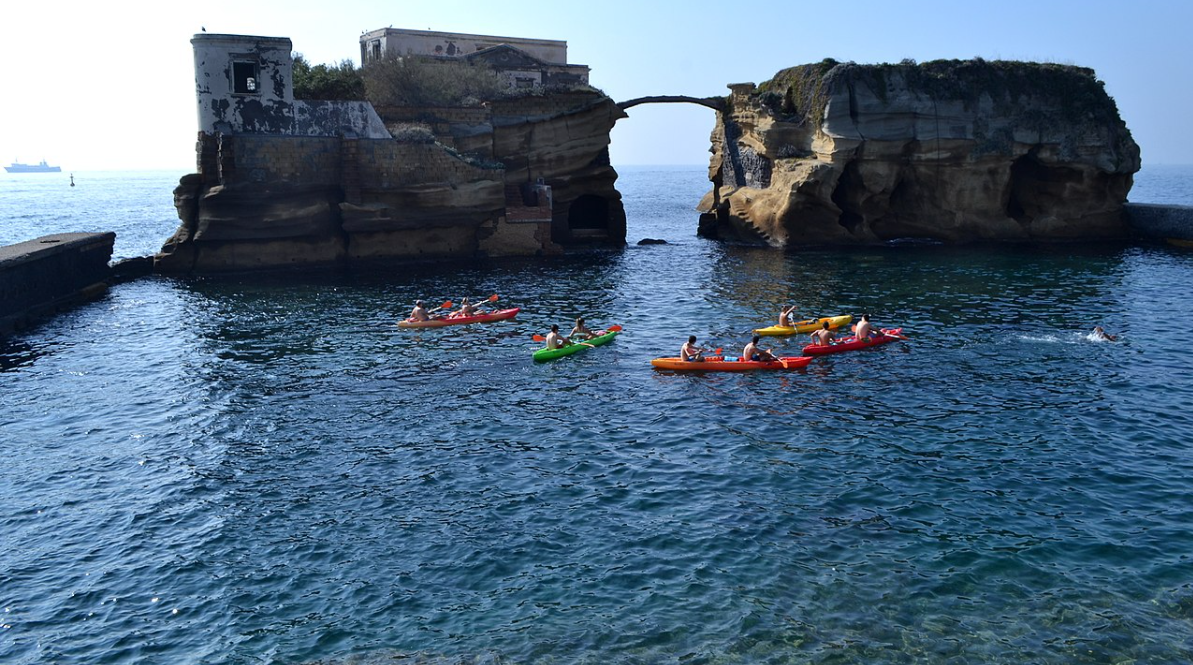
268 470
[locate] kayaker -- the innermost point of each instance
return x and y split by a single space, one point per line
555 340
1098 333
785 317
824 336
466 308
752 352
690 352
419 313
863 331
581 329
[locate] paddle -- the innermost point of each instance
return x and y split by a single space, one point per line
893 334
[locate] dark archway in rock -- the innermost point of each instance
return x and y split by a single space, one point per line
587 220
1037 188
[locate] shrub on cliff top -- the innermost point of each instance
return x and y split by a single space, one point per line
412 81
332 82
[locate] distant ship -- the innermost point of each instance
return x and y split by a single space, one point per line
33 168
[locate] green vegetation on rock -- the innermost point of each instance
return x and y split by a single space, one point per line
341 82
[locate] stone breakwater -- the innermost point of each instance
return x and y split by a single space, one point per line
39 277
956 151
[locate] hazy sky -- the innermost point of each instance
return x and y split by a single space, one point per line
109 85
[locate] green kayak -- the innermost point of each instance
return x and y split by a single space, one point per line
575 347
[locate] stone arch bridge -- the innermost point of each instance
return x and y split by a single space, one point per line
714 103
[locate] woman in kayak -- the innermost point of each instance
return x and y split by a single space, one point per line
689 352
582 330
555 340
785 317
752 352
824 336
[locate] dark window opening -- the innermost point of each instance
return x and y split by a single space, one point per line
375 49
244 78
589 212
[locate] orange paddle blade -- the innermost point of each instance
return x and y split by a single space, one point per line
538 338
717 352
446 305
492 297
613 328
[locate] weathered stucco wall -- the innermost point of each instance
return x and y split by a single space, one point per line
401 42
227 100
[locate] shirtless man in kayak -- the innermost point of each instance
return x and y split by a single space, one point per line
689 352
785 317
824 336
555 340
752 352
419 313
582 330
863 331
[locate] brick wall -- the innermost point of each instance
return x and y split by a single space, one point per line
385 164
290 160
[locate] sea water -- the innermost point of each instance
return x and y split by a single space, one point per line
265 470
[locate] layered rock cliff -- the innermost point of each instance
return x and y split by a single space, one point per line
955 151
522 176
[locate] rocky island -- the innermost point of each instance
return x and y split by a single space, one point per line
286 182
955 151
822 154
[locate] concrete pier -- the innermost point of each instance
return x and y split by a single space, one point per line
40 277
1170 223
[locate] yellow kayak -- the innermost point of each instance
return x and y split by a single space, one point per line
806 326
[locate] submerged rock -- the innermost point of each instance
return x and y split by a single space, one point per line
953 151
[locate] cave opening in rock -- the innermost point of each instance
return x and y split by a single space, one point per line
1036 187
588 215
847 196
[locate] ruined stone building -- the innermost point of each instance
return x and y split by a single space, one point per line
524 63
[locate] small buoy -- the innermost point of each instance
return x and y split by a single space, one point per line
72 180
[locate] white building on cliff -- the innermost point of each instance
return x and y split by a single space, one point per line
523 62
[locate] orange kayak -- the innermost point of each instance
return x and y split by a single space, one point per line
722 364
456 319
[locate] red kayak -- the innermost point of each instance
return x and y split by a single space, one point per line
722 364
457 319
852 344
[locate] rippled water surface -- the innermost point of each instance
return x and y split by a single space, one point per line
266 470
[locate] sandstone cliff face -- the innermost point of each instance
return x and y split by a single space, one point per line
265 201
952 151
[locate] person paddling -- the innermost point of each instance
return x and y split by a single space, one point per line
419 313
1098 333
824 336
863 331
752 352
582 330
785 317
555 340
689 352
466 308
